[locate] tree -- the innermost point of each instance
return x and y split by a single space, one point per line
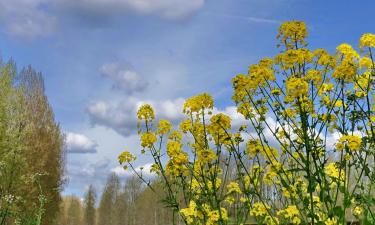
44 143
31 150
108 200
89 206
74 212
13 163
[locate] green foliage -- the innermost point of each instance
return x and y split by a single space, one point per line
31 150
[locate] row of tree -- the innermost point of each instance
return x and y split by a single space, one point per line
31 149
120 204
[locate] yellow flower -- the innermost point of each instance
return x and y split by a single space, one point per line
331 221
254 146
276 91
315 76
325 88
197 103
324 58
365 62
334 172
230 200
164 126
175 135
173 148
185 126
259 209
296 87
352 141
126 157
291 213
290 113
233 187
347 71
190 213
292 32
261 73
367 40
148 139
362 83
347 51
357 211
206 155
145 112
220 121
294 57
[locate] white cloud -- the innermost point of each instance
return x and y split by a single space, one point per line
26 18
167 9
145 170
79 143
121 116
124 78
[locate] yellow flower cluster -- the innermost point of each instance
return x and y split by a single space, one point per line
145 112
347 51
214 216
367 40
233 187
258 76
357 211
333 171
314 76
346 71
219 128
261 73
254 146
126 157
296 87
164 126
259 209
198 103
178 158
323 58
148 139
292 33
352 141
363 83
291 214
325 88
294 57
190 213
331 221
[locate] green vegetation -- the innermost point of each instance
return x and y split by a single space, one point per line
31 150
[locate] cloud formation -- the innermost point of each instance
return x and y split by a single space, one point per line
29 19
121 116
26 18
167 9
124 78
79 143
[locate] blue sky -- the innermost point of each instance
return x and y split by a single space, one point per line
103 58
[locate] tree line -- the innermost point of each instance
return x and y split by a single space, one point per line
121 203
31 149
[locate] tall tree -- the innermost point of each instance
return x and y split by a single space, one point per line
108 199
89 206
132 189
13 164
44 143
74 212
